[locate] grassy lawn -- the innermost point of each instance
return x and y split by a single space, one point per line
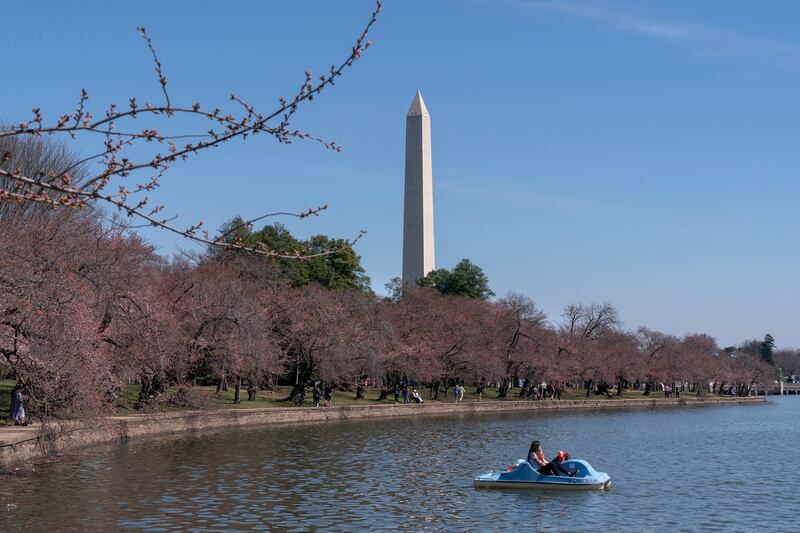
6 386
580 394
276 398
209 399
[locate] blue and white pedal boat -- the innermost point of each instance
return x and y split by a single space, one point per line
523 476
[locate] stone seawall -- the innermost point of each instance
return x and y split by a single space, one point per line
17 450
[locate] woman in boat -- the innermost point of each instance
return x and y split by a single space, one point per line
553 468
536 455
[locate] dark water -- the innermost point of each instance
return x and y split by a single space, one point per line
730 468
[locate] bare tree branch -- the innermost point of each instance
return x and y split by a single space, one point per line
61 190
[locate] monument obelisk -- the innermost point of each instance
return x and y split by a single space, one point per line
418 249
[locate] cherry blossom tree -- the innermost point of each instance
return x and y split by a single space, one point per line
617 351
521 337
49 337
334 336
435 337
699 360
651 344
228 324
578 340
743 370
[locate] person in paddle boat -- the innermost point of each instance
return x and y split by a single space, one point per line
553 468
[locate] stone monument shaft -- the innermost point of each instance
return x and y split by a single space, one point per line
418 248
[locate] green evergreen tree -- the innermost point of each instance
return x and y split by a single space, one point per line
339 270
767 346
466 279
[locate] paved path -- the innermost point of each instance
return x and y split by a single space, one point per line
11 434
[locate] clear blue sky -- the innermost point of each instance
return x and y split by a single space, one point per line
642 153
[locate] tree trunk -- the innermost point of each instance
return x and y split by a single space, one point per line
300 381
503 389
237 391
222 385
251 391
152 388
700 390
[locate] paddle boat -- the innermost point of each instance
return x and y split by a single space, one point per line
523 476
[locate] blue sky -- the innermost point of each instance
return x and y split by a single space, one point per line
642 153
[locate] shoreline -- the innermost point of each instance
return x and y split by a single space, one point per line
21 445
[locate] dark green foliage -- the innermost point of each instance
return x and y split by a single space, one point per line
466 279
767 346
339 270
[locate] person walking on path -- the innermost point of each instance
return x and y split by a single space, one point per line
328 395
405 394
17 409
397 393
316 393
459 392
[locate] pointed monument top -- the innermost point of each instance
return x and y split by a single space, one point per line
417 106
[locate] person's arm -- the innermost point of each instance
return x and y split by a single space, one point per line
539 460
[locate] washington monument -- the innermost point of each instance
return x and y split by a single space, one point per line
418 249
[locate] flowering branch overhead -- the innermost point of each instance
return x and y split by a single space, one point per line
58 189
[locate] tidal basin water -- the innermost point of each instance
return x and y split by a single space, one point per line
728 468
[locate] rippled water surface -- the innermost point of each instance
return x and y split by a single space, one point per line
729 468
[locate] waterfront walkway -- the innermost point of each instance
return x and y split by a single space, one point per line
785 389
19 444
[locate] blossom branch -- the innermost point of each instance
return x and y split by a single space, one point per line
57 189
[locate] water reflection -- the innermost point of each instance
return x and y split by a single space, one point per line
676 469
